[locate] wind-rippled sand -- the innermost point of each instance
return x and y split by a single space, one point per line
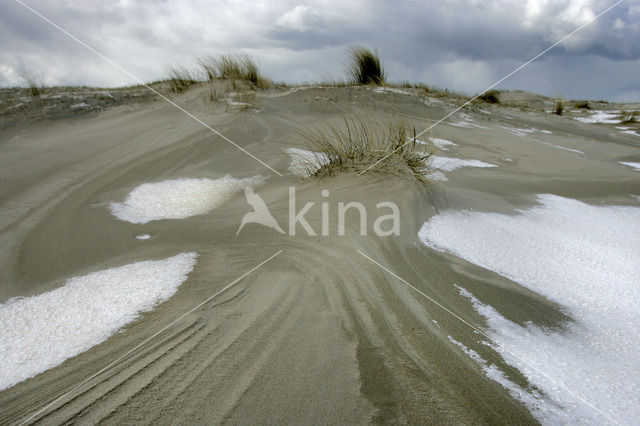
320 333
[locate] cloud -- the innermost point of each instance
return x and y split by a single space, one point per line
461 44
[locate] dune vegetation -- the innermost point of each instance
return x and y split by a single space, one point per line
181 79
358 144
490 96
35 87
582 105
629 117
233 67
365 66
221 67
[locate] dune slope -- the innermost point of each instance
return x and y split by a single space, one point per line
319 333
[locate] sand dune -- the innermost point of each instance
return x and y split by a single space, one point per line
319 333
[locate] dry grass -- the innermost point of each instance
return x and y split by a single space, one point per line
559 109
490 96
245 100
582 104
35 86
181 79
233 67
331 82
365 66
357 145
629 117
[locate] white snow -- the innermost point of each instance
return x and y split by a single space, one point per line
178 198
80 105
467 121
143 236
236 103
40 332
439 142
461 124
544 409
585 258
564 148
391 90
449 164
524 131
630 164
467 124
608 117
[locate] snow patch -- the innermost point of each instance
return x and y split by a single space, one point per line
439 142
449 164
41 332
635 166
391 90
178 198
544 410
606 117
587 259
564 148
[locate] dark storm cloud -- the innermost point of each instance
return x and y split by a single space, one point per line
465 44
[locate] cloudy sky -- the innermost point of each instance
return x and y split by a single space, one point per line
464 45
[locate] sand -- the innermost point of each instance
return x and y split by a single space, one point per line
318 334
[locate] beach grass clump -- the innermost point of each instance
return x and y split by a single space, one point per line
35 86
582 105
244 100
357 145
559 108
365 66
181 79
233 67
629 117
490 96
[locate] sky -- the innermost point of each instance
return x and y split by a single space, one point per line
462 45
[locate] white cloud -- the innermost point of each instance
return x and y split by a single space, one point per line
463 44
299 18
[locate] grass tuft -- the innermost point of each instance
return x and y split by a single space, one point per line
629 117
357 145
365 66
559 107
582 105
490 96
233 67
35 86
181 79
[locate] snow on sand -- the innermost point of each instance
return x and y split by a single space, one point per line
584 257
41 332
